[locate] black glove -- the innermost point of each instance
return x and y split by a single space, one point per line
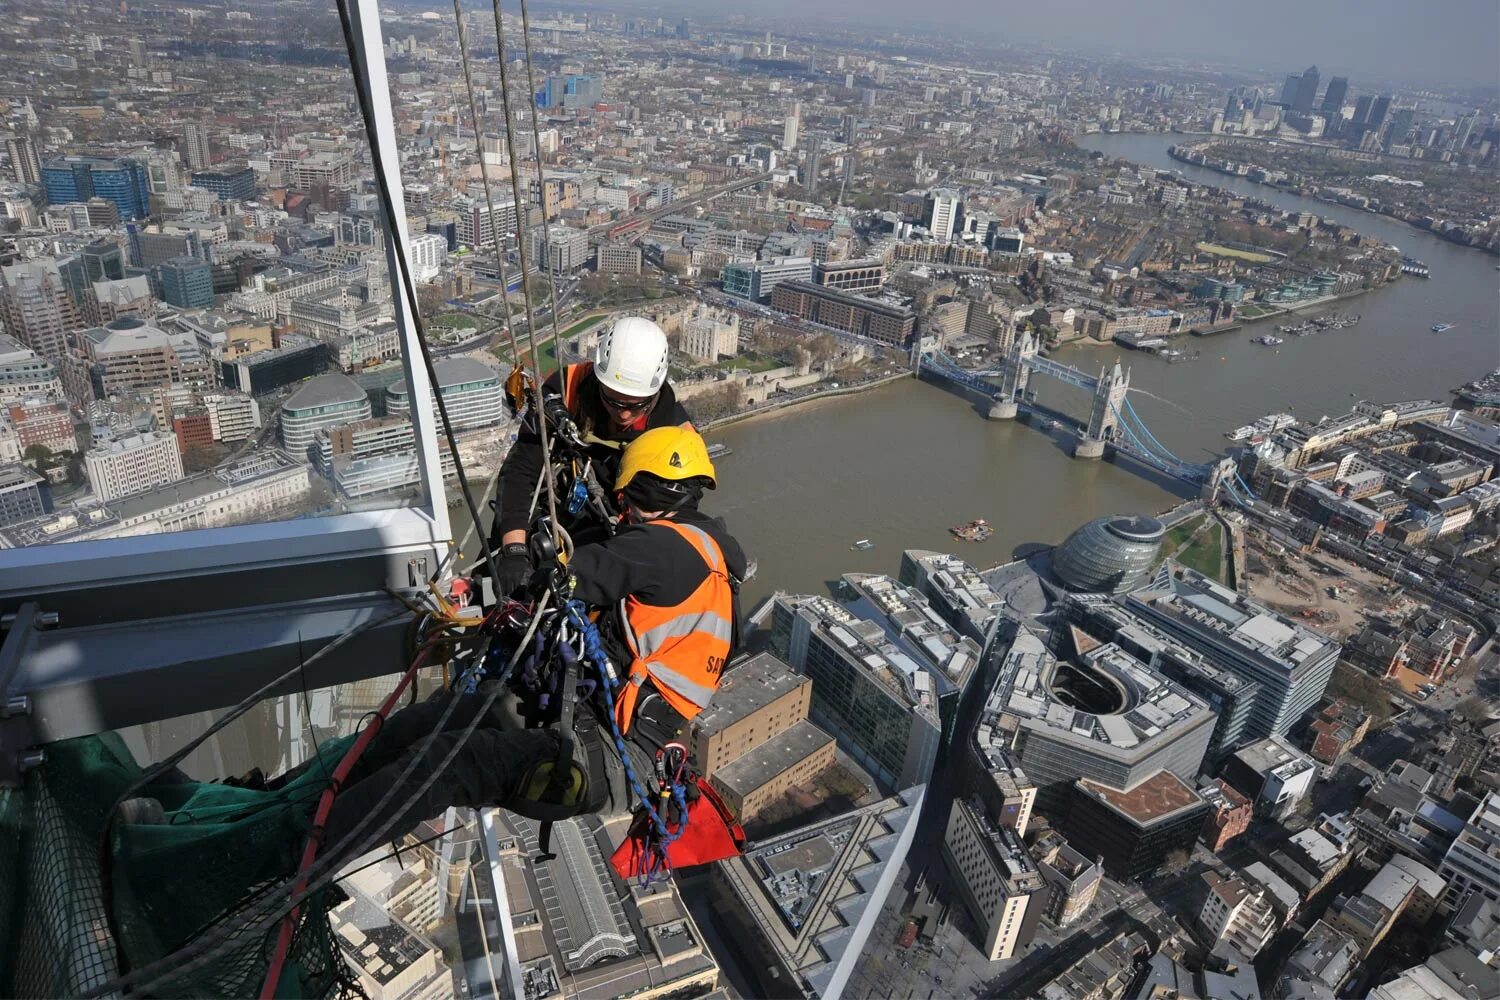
514 567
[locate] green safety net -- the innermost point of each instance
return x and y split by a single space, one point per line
173 882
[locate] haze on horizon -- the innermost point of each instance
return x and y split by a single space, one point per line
1453 41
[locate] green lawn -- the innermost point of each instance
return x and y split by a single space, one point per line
754 362
454 321
584 324
1203 553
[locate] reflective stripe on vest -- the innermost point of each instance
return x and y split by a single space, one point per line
681 649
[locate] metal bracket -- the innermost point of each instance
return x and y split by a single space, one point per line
17 751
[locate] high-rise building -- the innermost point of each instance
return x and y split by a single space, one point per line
186 282
1289 89
325 401
1307 90
996 878
1290 663
791 126
476 223
943 207
1378 110
133 464
1134 829
571 92
1362 106
195 147
36 307
129 353
25 164
875 700
228 183
1333 98
429 251
24 494
472 391
79 178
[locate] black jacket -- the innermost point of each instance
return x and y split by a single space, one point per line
655 564
522 468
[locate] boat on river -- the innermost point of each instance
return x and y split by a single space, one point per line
1267 340
976 530
1442 327
863 545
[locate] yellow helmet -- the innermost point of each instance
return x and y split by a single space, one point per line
670 453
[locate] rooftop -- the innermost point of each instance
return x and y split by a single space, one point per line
746 688
752 770
324 390
1274 755
1158 797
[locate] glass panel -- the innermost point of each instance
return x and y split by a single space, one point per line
196 325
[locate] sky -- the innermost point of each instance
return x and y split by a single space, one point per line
1454 41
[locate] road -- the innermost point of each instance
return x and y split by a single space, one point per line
672 208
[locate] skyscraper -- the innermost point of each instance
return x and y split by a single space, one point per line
1289 89
1333 100
1379 110
25 165
792 125
79 178
1307 90
942 214
35 307
1362 107
195 148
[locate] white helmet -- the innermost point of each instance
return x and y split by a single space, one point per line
632 358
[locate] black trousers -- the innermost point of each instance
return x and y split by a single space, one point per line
486 771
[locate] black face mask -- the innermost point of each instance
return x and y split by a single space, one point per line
647 492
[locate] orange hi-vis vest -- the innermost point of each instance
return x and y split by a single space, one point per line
573 377
681 649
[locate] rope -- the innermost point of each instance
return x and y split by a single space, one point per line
659 839
522 205
484 175
541 183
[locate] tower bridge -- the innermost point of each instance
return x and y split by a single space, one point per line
1112 425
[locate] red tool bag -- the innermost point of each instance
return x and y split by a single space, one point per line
712 834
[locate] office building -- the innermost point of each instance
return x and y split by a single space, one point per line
756 280
42 420
1471 865
1103 618
1012 240
323 402
759 697
706 338
954 589
429 252
1333 98
801 906
1237 918
260 372
790 126
616 257
1451 974
1109 554
995 877
373 456
79 178
35 307
571 92
1072 880
874 319
1132 830
476 224
1274 774
24 494
124 466
25 373
129 353
565 249
1307 90
1229 814
232 417
874 698
863 277
194 144
228 183
186 282
473 392
25 164
1289 662
1367 916
1103 716
942 214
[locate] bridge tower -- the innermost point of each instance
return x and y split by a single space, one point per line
1105 414
1014 378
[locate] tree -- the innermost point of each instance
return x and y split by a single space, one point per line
38 454
1177 861
1474 710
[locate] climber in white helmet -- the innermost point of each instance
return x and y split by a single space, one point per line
612 400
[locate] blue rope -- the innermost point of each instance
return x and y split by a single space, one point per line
660 838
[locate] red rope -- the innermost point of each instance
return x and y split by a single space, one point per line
320 816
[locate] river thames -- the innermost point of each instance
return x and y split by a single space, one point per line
900 464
